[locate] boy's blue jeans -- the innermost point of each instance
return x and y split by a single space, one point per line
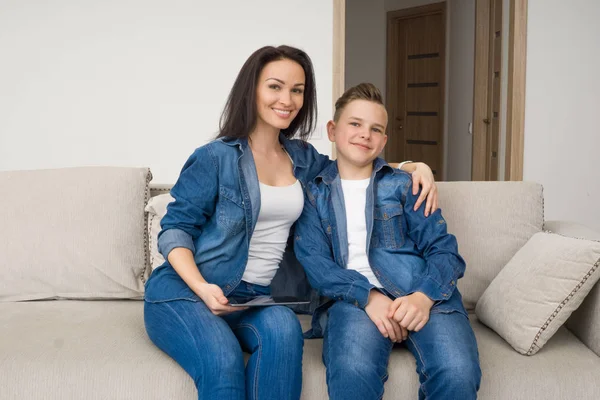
356 356
209 348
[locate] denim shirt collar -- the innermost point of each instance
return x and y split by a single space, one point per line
329 174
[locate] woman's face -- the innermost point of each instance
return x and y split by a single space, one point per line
279 94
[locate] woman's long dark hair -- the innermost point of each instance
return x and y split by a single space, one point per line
239 115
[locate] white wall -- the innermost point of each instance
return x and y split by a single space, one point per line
365 43
137 82
562 133
460 88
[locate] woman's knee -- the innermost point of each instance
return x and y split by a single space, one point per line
196 340
281 322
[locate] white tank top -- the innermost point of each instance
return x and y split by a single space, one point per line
280 207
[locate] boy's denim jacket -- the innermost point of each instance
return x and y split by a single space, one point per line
216 207
407 251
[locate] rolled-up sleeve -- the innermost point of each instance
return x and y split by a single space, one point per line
195 194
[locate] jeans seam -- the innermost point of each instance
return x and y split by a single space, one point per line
386 375
187 328
255 331
422 362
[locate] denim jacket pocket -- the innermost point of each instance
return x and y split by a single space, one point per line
231 216
387 227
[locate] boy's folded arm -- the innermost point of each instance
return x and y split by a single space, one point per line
438 247
313 250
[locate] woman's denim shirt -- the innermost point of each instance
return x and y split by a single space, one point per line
407 251
217 201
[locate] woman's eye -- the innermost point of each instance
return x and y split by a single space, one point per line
299 91
274 87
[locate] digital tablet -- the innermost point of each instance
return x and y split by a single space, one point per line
264 301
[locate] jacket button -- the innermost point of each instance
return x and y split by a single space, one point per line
444 294
329 229
384 215
452 283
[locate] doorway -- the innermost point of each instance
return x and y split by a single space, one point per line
416 55
363 28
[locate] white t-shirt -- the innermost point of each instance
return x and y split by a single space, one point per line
355 199
280 207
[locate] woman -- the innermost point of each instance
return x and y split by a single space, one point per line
224 236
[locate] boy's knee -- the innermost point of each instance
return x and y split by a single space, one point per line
353 368
461 375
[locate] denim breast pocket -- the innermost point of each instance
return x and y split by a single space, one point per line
387 227
231 214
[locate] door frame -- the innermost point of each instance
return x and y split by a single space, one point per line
515 101
339 56
517 56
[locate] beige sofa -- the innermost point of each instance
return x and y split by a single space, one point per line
75 256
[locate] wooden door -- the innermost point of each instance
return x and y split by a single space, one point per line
415 85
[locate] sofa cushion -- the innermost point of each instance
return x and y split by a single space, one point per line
100 350
491 221
539 288
73 233
156 209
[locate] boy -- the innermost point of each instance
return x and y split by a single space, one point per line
390 272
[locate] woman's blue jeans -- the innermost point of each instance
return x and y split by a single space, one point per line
209 348
356 356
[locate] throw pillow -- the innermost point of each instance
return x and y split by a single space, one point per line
539 288
73 233
156 209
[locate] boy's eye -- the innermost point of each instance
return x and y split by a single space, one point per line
355 124
377 130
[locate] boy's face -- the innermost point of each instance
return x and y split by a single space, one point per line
359 134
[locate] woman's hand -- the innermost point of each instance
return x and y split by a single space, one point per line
215 300
423 176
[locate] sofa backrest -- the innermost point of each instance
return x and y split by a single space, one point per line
491 221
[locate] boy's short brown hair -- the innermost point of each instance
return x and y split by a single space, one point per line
363 91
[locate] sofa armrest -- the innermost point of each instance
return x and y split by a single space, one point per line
585 321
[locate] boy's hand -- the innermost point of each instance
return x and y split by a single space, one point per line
377 308
423 176
412 311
